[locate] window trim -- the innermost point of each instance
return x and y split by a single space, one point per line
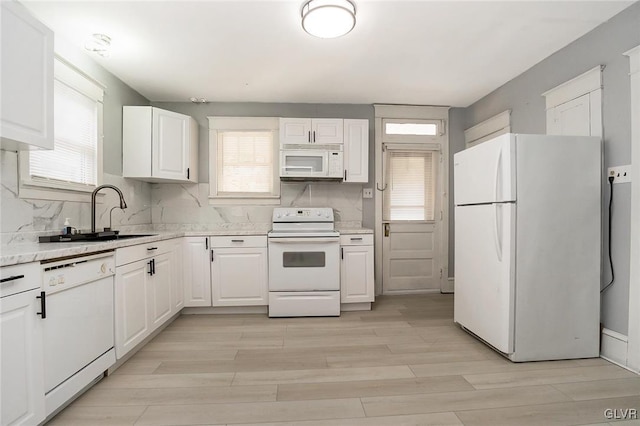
217 124
46 189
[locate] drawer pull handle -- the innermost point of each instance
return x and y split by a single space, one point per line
43 305
237 241
356 239
12 278
152 248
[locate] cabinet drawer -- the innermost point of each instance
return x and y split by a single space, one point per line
142 251
19 278
356 240
239 241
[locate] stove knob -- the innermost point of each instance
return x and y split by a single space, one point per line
326 215
278 215
286 214
319 213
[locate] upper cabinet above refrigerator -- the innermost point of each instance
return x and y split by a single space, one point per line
159 145
26 80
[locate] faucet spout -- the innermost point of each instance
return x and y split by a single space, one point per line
123 204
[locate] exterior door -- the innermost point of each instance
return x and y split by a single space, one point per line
411 225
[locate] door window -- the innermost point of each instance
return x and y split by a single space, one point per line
410 194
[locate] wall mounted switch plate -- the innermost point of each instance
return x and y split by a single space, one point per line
367 193
621 174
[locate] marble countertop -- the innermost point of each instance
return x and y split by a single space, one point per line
14 254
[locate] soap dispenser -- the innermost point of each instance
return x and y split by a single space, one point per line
67 227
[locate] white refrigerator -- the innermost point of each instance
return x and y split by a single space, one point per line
528 245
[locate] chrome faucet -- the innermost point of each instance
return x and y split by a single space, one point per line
123 204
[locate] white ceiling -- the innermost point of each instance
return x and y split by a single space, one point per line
403 52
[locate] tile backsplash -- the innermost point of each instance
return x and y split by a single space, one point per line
161 206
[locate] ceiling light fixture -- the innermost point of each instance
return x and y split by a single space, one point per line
198 100
328 18
100 44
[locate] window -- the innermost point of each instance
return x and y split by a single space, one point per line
411 130
243 160
74 166
410 194
488 129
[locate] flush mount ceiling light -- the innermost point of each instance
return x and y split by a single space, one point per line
99 43
328 18
198 100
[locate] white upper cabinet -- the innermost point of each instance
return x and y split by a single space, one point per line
311 130
356 150
26 80
159 145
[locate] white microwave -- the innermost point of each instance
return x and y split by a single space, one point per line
311 164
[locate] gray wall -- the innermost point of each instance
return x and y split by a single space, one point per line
604 45
456 144
253 109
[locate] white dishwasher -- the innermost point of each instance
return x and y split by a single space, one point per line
77 319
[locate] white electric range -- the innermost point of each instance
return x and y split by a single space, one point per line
304 263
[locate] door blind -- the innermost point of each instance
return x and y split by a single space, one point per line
410 179
74 157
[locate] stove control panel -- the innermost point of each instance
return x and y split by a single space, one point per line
305 214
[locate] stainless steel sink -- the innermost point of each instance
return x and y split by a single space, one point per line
90 236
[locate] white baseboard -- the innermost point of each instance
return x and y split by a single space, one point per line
449 286
347 307
613 347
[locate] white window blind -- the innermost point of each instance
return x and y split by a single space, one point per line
245 162
410 193
74 158
74 161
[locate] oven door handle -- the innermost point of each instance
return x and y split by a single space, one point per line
308 240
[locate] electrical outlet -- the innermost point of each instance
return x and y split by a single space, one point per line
621 174
367 192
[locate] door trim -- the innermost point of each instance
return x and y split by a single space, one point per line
414 112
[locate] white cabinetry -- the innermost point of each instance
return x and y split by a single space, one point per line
356 150
356 270
145 293
196 272
311 130
26 120
239 274
21 361
159 145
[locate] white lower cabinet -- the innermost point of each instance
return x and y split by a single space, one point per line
196 272
356 268
239 274
145 292
21 361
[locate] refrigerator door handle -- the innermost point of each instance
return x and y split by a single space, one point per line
497 227
497 177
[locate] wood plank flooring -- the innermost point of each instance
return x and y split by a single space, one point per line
403 363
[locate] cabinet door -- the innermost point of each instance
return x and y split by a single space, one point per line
170 145
356 150
239 277
196 272
327 130
21 362
356 274
160 290
26 80
131 306
177 294
570 118
295 131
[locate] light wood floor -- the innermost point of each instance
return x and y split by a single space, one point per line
404 363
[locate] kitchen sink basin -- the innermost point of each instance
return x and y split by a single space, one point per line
90 236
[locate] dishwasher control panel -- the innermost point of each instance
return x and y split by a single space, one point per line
71 272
